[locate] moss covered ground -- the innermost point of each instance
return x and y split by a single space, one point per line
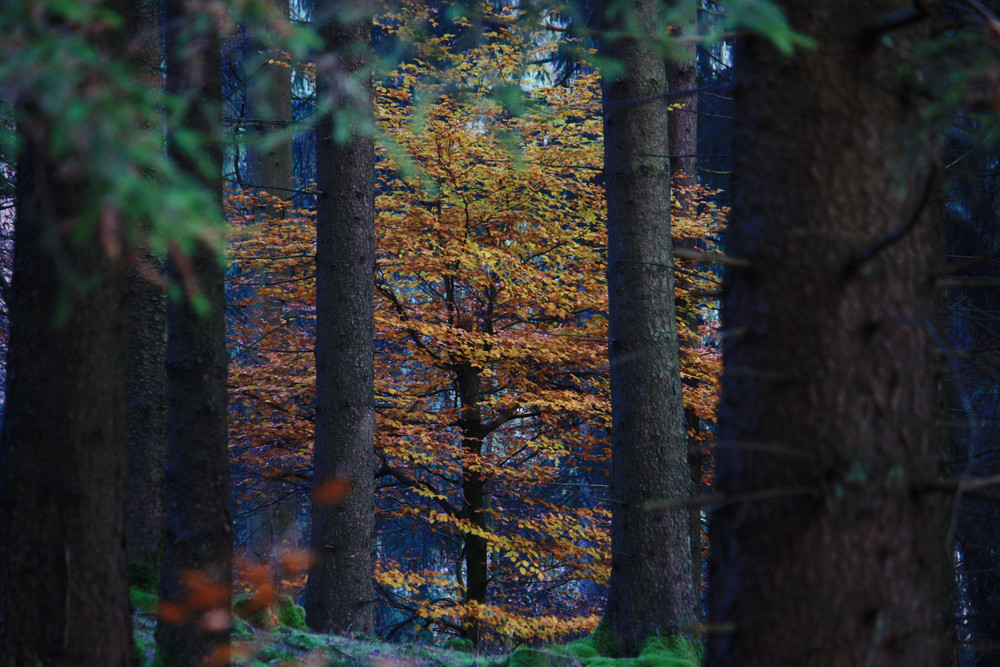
280 638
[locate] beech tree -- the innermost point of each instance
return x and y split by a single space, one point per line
491 377
340 595
830 547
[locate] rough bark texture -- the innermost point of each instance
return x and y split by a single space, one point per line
682 129
147 420
651 587
682 145
198 530
146 333
340 592
63 576
829 549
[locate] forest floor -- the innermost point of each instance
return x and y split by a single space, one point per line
290 646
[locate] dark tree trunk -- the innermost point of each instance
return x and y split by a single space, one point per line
147 421
63 463
682 130
146 333
340 593
197 558
682 145
469 384
829 549
651 586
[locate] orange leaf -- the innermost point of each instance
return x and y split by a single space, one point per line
171 612
332 490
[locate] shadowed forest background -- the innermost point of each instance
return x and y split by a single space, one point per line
500 325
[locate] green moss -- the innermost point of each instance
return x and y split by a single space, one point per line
289 613
676 651
460 644
533 657
248 607
144 576
604 641
241 629
307 641
142 600
583 649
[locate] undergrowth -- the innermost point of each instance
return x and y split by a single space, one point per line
278 636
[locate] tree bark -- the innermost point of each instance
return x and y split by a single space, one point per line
469 383
829 549
63 575
651 586
682 146
340 595
146 335
197 558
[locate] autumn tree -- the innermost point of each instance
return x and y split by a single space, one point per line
830 547
493 329
63 578
195 580
490 336
266 176
340 594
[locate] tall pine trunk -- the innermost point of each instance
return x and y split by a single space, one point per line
63 577
197 557
682 146
146 334
341 590
651 586
829 549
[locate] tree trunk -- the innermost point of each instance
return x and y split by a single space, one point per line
269 110
146 333
682 145
974 331
829 548
340 592
651 586
469 383
270 171
197 558
63 462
